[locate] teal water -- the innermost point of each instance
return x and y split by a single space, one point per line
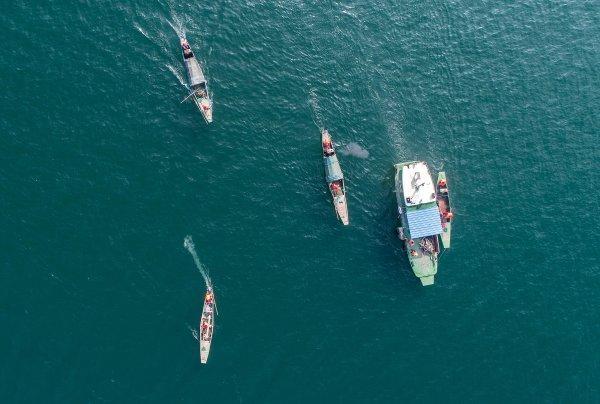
104 173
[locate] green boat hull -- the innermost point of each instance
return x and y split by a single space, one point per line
423 266
445 236
447 225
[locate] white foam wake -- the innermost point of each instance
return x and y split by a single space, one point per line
141 30
188 243
177 26
317 118
194 332
177 74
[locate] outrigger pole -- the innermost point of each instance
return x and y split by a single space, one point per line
186 98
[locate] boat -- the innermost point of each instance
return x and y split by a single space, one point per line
420 218
207 324
197 82
443 201
334 177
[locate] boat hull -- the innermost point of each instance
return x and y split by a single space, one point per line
443 198
197 83
341 208
445 236
334 178
424 264
204 104
207 322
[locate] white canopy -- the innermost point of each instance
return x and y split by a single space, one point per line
417 184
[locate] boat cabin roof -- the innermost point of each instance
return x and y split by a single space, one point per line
424 221
417 184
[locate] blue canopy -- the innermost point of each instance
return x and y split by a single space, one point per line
424 222
333 172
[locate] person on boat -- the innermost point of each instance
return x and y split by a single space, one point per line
442 183
427 245
448 215
328 147
336 189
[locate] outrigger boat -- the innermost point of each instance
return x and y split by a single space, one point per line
207 323
443 201
197 82
334 177
420 218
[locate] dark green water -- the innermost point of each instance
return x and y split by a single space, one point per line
103 173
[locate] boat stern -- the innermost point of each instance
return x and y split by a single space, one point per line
341 208
445 236
206 108
427 280
204 350
424 266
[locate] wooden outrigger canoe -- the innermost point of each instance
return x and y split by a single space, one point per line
334 177
443 201
197 82
207 324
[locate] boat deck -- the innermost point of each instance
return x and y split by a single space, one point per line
443 204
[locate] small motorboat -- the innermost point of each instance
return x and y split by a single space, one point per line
334 177
197 82
207 323
443 201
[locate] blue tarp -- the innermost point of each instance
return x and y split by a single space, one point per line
333 172
424 222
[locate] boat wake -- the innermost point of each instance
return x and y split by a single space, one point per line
188 243
317 118
194 332
355 150
177 74
141 30
177 26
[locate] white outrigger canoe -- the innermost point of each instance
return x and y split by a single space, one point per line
197 82
334 177
207 324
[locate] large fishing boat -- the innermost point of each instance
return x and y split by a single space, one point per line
420 218
334 177
197 82
207 323
443 201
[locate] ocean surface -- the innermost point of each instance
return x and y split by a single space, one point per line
104 173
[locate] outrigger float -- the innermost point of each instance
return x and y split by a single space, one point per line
334 177
207 324
197 82
421 221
